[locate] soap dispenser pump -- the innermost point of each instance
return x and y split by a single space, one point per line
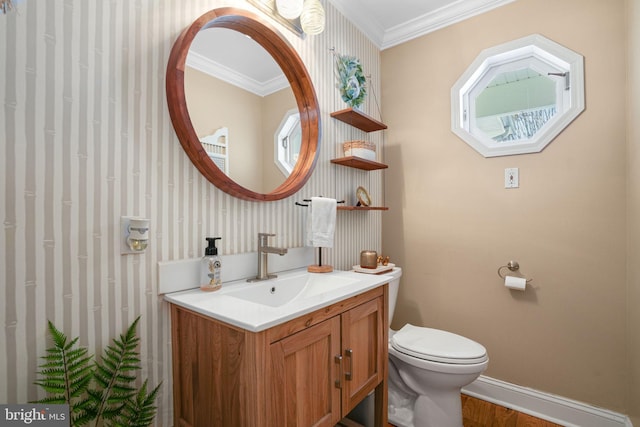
211 267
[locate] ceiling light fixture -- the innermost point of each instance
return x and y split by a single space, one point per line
312 18
300 16
289 9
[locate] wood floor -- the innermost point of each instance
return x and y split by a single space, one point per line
478 413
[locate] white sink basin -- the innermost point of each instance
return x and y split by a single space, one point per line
259 305
291 288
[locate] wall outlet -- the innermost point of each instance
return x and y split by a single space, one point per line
511 178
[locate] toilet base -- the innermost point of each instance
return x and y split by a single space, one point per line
403 417
401 406
425 411
443 411
435 389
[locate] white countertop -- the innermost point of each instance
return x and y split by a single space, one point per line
251 316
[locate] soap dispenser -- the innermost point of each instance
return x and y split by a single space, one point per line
211 267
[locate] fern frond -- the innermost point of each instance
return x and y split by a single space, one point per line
110 360
120 389
112 413
125 367
66 372
120 398
52 357
76 353
88 408
80 386
56 371
81 371
110 373
53 387
54 350
59 339
139 411
82 418
71 343
122 378
52 400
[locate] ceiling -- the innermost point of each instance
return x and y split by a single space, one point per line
390 22
385 22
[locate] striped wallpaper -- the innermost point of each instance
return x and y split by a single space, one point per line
85 137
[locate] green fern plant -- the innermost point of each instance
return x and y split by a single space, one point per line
102 391
66 373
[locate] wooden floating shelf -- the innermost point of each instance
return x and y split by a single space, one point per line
362 208
359 120
359 163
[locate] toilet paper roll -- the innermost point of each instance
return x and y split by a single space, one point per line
517 283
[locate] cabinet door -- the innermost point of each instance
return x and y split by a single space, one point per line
305 369
363 351
207 378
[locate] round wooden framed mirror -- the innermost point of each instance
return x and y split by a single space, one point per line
298 78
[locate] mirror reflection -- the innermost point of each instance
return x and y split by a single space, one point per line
238 99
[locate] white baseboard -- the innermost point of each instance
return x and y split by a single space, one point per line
560 410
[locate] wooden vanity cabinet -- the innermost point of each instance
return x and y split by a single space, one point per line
309 371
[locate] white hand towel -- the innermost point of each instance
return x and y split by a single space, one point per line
321 222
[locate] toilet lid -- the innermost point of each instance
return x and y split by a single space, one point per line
438 346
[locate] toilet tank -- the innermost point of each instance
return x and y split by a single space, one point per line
394 285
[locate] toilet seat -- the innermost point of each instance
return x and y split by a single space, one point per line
438 346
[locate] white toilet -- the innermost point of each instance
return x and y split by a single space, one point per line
427 369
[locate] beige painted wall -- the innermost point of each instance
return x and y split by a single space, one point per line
633 240
452 223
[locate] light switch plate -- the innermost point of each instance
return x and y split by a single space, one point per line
511 178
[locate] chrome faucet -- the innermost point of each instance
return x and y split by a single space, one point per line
263 251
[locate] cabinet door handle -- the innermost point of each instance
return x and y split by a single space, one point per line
338 360
349 354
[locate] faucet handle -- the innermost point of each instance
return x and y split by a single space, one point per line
263 238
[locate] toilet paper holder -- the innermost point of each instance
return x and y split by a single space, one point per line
512 266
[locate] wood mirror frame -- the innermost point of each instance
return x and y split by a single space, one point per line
293 68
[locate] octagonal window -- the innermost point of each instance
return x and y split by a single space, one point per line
517 97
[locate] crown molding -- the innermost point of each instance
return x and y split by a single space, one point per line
456 12
419 26
226 74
